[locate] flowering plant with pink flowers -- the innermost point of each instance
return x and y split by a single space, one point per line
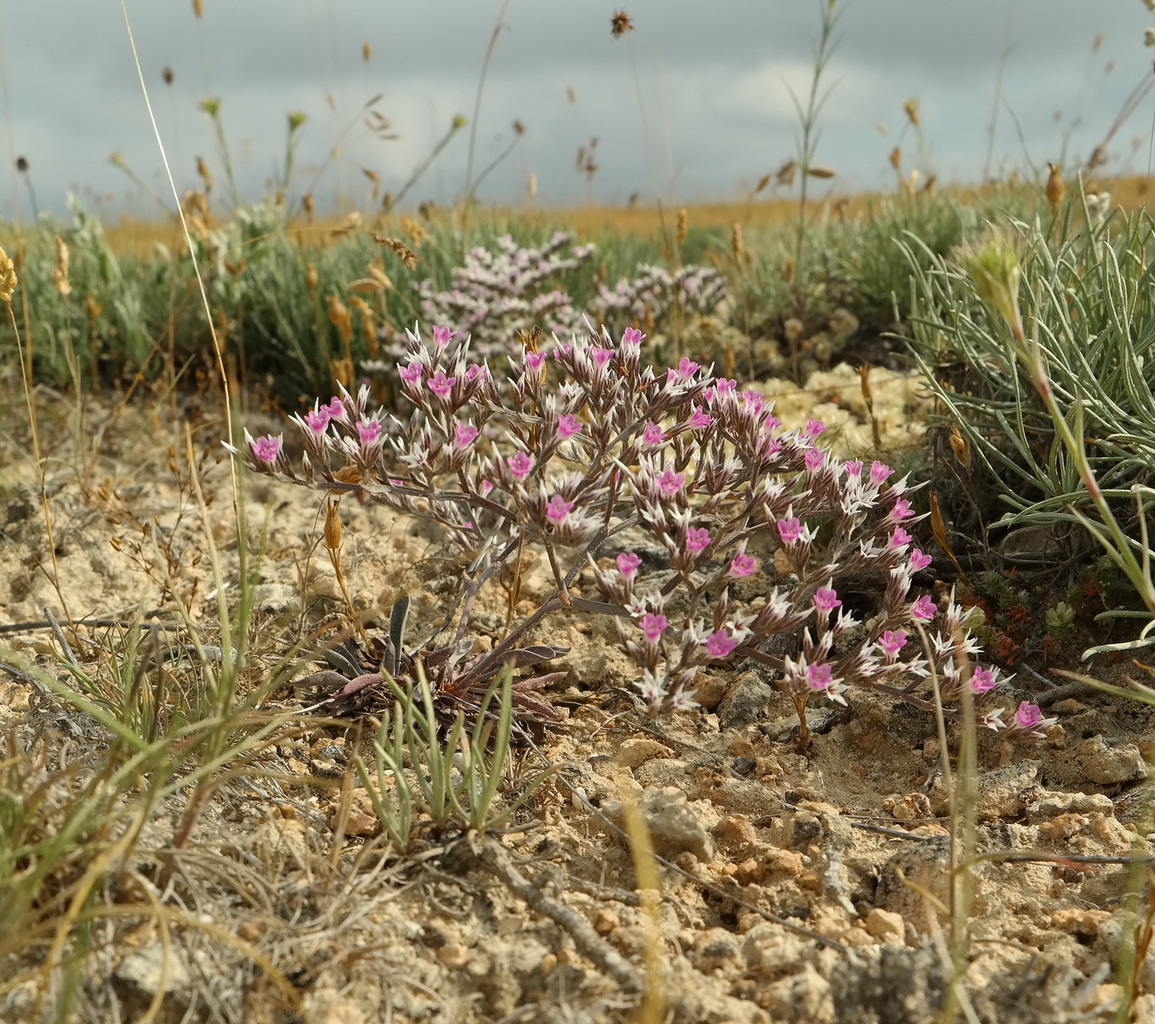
673 501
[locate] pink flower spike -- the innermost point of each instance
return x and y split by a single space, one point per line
700 419
918 560
725 385
814 458
899 538
982 680
439 384
789 530
819 677
719 644
628 563
632 336
826 599
652 434
754 398
568 425
743 565
411 374
464 434
534 360
368 431
652 626
266 448
893 640
442 336
335 409
853 468
879 472
813 428
318 421
519 465
923 609
558 508
686 368
697 539
902 510
671 482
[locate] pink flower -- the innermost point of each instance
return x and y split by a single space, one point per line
318 420
819 677
335 409
919 561
902 510
789 530
632 336
686 369
852 468
725 384
923 609
442 336
368 430
474 372
1029 715
411 374
893 641
652 626
601 356
826 599
982 680
899 538
652 434
754 398
743 565
464 434
439 384
671 482
697 539
628 563
558 508
519 465
266 448
568 425
814 458
700 419
719 644
534 360
813 428
879 472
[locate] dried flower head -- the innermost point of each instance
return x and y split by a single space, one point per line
620 24
7 277
60 270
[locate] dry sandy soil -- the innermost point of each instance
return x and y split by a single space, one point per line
794 886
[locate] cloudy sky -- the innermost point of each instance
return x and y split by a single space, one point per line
694 104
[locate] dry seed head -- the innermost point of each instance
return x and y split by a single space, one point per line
203 171
60 271
351 222
366 52
167 75
198 8
339 315
1055 187
307 204
683 226
911 108
532 188
785 174
407 255
737 243
896 158
311 278
620 24
7 276
821 172
332 526
417 234
960 447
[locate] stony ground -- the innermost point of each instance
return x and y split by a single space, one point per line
794 886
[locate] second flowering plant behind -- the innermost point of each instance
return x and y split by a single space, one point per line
583 450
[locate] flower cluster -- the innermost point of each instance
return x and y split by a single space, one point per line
731 531
495 295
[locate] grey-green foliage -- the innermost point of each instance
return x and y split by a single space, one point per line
451 775
1087 295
